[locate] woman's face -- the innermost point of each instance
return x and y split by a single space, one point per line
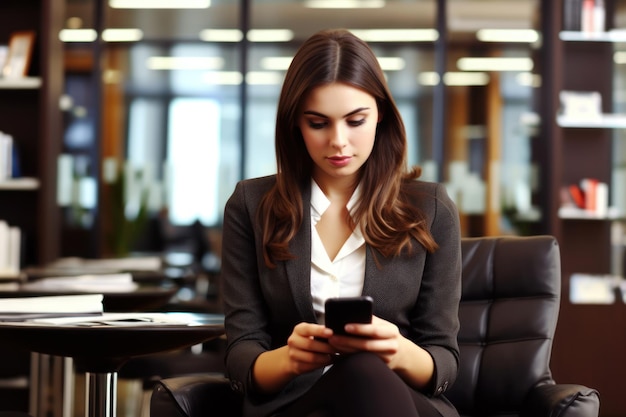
338 123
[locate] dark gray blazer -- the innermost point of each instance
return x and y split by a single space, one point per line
419 293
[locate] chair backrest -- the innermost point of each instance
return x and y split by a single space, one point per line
508 313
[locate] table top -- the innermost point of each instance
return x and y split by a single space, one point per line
105 347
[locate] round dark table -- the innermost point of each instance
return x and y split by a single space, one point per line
100 350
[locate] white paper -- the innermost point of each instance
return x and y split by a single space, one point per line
115 319
106 283
138 263
89 303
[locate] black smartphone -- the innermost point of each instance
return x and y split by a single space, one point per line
343 310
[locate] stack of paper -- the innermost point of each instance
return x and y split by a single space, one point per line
117 319
65 305
140 263
98 283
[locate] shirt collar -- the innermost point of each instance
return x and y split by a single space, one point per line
319 201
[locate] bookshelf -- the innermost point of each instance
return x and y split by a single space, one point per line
590 340
29 112
603 121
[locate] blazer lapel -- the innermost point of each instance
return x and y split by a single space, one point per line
371 272
298 270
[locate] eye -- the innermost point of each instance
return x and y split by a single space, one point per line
356 123
317 125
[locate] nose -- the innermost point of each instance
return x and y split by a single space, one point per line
339 137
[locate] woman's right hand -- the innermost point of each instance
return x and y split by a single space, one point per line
305 351
307 348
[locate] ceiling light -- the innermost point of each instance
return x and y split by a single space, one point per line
184 63
281 63
159 4
221 35
276 63
391 63
397 35
269 35
495 64
457 79
465 78
78 35
508 35
122 35
344 4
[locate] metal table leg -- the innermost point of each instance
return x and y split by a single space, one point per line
101 394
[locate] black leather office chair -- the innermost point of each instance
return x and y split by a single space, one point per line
508 312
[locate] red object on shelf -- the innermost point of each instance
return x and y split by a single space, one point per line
577 196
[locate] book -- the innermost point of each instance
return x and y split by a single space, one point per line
10 250
14 247
572 15
4 248
6 156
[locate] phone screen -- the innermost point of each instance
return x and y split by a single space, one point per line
341 311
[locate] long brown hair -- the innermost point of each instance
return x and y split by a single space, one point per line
387 218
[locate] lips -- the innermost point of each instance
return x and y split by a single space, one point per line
339 161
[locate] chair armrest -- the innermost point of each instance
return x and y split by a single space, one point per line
201 395
562 400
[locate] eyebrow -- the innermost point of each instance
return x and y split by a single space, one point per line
314 113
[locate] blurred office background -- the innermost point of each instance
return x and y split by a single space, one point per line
165 106
187 102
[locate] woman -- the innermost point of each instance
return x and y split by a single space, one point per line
343 217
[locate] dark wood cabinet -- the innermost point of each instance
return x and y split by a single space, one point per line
29 111
590 339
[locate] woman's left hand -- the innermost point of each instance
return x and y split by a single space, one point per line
380 337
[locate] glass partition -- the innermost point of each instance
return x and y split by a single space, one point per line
180 103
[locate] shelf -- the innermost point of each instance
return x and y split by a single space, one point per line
24 183
616 35
23 83
573 213
603 121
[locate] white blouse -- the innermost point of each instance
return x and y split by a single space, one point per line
344 275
